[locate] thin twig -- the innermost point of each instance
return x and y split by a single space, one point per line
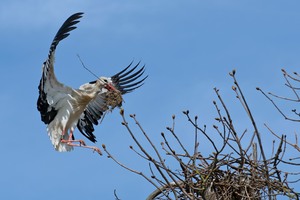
127 168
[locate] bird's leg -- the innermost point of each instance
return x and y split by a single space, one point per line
70 142
70 139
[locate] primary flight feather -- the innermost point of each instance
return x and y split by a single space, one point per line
63 108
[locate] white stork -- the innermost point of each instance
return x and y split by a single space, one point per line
63 108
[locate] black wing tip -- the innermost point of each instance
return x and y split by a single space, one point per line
125 71
65 29
75 16
128 80
131 87
78 14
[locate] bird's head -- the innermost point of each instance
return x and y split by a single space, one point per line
102 84
107 83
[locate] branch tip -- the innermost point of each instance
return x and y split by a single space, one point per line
186 112
232 73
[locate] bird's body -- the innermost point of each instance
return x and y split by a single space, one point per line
63 108
70 107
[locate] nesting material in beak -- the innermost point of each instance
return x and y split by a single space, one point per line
110 87
114 98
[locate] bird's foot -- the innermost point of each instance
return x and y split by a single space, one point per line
81 143
96 149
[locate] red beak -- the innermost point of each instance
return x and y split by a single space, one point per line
110 87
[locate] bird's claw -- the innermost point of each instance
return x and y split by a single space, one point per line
97 150
82 143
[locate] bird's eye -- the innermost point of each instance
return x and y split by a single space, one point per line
105 80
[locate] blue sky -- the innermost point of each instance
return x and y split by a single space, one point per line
188 48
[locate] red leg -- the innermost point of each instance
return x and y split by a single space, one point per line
81 143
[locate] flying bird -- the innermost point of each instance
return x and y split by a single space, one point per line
63 108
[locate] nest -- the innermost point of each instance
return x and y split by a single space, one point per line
113 99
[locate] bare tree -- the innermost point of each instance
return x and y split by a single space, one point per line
237 166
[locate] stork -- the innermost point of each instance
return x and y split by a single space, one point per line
63 108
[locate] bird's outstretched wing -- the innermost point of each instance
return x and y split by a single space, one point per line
52 92
125 81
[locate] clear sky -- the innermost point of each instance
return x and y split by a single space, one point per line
188 48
